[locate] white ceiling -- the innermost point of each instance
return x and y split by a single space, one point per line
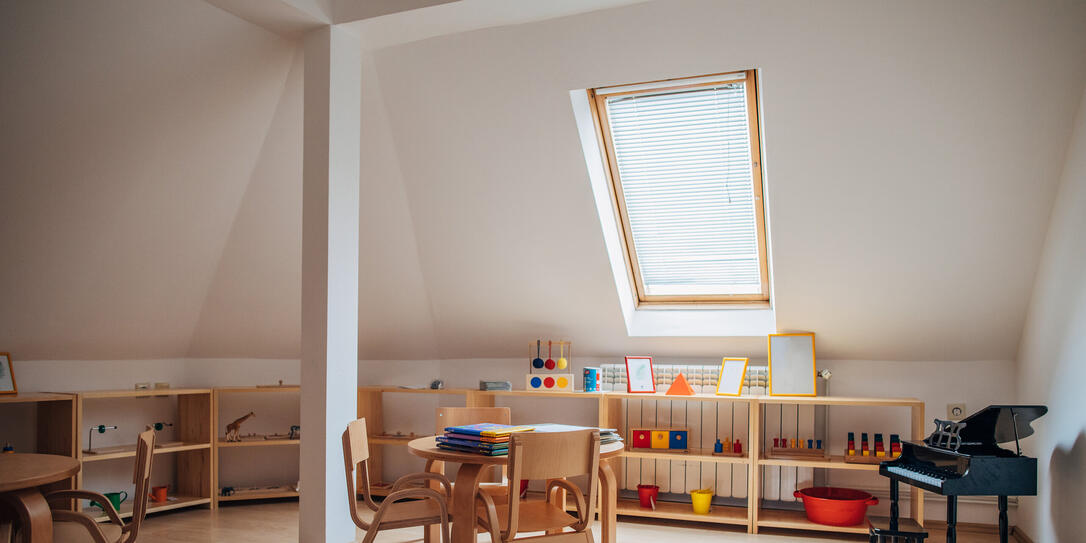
152 199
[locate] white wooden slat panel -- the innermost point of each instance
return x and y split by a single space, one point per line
679 469
740 430
790 419
806 429
633 465
771 475
663 467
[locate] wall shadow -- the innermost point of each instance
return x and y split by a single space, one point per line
1067 476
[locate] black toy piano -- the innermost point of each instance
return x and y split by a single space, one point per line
965 459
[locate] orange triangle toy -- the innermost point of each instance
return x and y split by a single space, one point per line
680 387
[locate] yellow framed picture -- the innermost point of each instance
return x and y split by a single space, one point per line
732 373
7 375
792 364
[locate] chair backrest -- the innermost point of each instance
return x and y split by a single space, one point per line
553 455
141 477
459 416
356 452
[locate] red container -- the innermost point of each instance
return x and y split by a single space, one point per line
648 494
835 506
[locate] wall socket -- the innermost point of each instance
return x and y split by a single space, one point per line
955 411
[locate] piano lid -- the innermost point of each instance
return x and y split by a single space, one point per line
996 423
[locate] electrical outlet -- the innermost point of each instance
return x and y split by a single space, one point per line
143 386
955 411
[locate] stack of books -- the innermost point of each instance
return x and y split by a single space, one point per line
486 438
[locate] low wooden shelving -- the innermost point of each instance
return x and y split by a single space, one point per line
252 446
611 407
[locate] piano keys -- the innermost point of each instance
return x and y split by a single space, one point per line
965 459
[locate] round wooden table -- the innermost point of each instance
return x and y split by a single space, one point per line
467 485
20 477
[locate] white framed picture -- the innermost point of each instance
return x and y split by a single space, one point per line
732 373
792 364
639 375
7 375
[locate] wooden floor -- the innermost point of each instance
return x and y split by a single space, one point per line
278 523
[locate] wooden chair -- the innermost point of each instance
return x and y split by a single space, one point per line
551 457
460 416
427 506
73 527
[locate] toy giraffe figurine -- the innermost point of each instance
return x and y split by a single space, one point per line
233 430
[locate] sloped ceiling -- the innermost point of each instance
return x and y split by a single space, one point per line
151 177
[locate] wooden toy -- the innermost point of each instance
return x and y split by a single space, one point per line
550 382
796 449
867 454
660 439
233 430
159 426
726 448
540 376
680 387
101 429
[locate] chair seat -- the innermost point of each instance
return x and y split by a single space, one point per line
73 532
412 513
535 516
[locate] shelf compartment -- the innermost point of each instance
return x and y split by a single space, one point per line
833 462
719 514
695 455
176 502
129 451
223 443
797 520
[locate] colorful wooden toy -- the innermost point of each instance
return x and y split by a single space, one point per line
660 439
680 387
561 363
551 382
871 452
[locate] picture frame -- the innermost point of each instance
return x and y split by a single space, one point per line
792 364
733 371
640 379
7 375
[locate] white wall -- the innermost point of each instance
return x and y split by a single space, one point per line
1052 360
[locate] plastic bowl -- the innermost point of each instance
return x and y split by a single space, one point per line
834 506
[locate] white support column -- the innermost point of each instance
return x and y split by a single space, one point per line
332 135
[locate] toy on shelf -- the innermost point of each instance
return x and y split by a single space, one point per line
101 429
159 426
295 432
9 449
544 375
796 449
680 387
660 439
592 377
868 455
233 430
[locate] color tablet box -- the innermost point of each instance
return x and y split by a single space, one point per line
673 439
550 382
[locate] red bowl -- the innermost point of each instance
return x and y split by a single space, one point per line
835 506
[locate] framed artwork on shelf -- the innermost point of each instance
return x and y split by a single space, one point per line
732 373
639 375
7 375
792 364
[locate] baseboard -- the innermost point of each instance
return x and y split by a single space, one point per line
1020 536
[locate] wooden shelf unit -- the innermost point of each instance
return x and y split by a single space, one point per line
193 477
610 414
251 446
55 428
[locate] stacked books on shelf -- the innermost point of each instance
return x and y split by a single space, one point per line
486 438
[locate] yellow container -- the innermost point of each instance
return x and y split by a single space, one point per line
702 500
659 440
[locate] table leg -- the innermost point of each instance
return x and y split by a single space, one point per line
609 503
33 514
1004 532
464 492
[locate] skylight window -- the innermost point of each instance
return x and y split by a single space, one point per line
684 161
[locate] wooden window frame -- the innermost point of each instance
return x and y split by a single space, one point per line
597 100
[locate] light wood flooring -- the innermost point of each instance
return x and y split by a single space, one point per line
277 522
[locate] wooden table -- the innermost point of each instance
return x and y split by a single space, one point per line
20 477
467 485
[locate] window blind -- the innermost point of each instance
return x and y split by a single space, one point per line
684 164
